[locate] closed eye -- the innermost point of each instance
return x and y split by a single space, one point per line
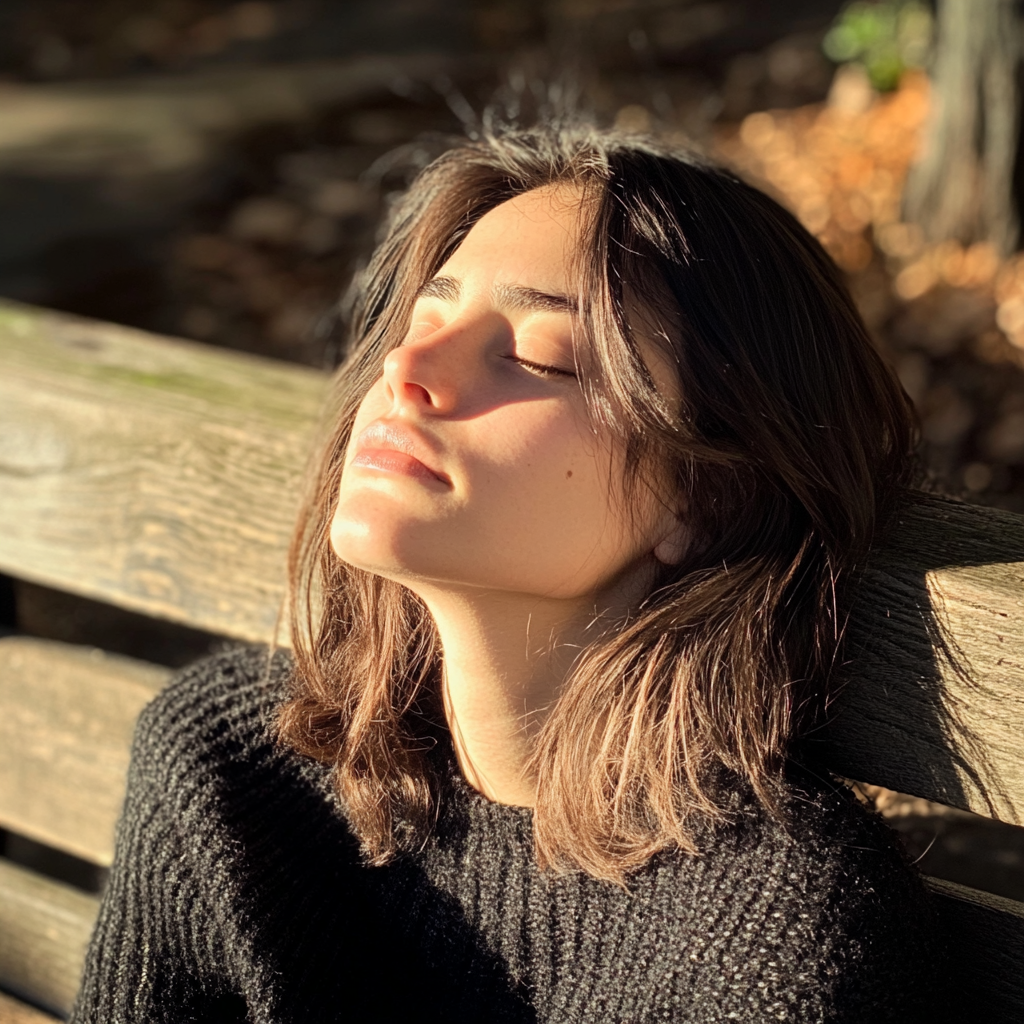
541 370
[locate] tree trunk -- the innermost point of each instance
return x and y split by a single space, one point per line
962 188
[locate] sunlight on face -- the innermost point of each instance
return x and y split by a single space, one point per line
472 461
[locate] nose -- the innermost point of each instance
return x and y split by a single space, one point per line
430 373
411 377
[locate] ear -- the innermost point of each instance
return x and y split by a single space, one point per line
674 544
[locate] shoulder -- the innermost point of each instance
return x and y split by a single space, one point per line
822 831
870 909
212 730
208 764
852 863
213 706
841 864
823 910
221 700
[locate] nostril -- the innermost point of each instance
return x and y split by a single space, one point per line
417 392
422 374
404 378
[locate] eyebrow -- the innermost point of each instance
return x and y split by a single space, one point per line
506 296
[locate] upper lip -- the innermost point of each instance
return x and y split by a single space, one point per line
391 437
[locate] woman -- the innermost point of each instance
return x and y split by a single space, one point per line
568 589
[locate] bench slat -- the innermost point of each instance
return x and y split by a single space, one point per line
988 955
65 734
160 476
44 931
946 728
13 1011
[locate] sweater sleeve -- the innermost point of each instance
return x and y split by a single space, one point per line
157 954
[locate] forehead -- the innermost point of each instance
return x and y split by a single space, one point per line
531 239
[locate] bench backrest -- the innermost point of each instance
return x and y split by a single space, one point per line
163 476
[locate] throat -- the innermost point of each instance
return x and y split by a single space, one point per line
493 736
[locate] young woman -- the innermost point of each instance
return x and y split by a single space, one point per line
610 446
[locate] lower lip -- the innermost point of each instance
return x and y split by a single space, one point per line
387 461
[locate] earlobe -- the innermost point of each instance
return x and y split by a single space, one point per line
672 548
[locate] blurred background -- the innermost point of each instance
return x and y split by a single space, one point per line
217 171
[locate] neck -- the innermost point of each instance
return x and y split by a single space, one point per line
506 659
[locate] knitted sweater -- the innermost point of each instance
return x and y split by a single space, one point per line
238 894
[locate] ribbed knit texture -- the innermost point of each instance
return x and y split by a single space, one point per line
238 894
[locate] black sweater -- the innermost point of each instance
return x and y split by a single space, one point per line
238 894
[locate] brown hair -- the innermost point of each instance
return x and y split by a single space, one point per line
789 445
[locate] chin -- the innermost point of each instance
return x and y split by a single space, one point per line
374 547
362 548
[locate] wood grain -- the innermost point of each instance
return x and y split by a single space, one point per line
44 932
986 941
13 1011
934 698
66 720
156 475
162 476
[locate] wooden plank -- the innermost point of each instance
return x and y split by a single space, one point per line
985 934
44 931
162 476
13 1011
158 475
934 703
66 720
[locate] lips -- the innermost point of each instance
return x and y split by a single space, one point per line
397 449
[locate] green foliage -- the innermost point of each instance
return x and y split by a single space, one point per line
885 37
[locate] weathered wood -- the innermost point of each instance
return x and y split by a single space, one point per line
13 1011
66 720
44 931
162 476
934 705
985 936
159 476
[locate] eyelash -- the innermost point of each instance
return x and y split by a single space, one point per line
541 370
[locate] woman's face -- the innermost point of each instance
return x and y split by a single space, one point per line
473 462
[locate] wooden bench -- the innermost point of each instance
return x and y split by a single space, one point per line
162 476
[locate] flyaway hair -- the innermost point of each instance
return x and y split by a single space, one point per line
790 443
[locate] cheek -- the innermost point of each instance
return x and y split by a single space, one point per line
548 454
356 508
534 509
550 489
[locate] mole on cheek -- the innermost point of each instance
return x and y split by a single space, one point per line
568 473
